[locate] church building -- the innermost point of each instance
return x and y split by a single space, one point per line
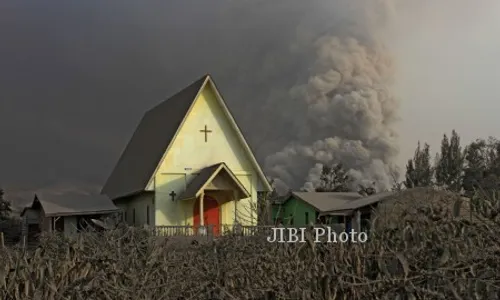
188 164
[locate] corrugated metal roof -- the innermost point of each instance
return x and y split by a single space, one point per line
324 202
74 204
364 201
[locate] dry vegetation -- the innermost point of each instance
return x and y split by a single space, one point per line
422 203
428 257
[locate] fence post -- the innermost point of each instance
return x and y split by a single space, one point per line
2 240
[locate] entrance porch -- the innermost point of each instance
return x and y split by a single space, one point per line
211 199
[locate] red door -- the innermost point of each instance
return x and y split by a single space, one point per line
211 214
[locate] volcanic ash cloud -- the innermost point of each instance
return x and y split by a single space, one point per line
343 113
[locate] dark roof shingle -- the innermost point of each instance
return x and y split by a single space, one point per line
149 142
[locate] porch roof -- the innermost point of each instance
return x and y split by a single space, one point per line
205 180
72 204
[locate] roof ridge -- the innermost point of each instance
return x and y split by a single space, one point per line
198 81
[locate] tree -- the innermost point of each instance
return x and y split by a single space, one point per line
410 177
482 166
397 185
450 163
442 160
5 207
419 170
475 166
265 202
334 179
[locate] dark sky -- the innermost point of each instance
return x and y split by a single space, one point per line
76 77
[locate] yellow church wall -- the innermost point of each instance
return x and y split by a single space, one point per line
189 149
227 210
246 207
189 153
168 212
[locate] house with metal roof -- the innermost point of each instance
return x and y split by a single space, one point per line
352 210
188 164
68 213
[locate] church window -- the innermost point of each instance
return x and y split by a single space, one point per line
307 218
147 214
133 216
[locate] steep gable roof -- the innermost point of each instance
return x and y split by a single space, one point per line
206 175
152 138
148 143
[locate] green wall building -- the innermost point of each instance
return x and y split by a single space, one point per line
301 209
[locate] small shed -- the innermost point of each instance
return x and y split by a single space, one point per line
66 213
329 208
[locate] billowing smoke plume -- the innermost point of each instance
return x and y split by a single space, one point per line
307 80
343 110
